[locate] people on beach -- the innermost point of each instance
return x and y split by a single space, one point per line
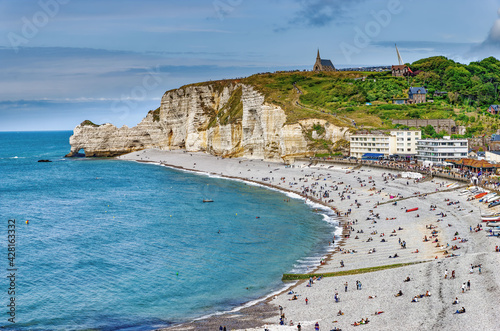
390 243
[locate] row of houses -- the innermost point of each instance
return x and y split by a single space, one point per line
407 144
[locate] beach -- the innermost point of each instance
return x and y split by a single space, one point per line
377 230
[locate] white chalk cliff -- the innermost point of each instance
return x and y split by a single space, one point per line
227 120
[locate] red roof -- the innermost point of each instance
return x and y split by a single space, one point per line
473 163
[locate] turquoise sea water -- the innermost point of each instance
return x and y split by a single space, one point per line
117 245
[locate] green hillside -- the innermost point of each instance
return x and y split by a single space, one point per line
341 97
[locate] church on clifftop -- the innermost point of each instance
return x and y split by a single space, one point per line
323 64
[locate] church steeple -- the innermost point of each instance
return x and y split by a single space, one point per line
323 65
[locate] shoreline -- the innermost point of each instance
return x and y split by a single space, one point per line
248 308
373 224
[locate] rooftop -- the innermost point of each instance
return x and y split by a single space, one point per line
473 163
417 90
327 63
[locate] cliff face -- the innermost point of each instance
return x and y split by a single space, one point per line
228 121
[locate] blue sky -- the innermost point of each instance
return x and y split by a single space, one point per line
64 61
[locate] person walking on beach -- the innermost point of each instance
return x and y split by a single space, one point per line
463 288
307 300
446 274
468 285
345 285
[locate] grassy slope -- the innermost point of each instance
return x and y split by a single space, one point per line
340 97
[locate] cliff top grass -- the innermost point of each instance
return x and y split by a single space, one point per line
156 114
366 98
88 123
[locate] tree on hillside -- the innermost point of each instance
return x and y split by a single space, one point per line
437 64
458 79
429 79
429 130
453 97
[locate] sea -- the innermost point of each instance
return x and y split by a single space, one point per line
106 244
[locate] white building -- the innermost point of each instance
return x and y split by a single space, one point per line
492 156
406 141
438 150
400 142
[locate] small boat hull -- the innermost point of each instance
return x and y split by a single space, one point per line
491 219
493 198
494 203
480 195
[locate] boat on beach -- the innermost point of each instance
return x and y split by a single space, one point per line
494 203
487 196
492 198
489 215
495 218
480 195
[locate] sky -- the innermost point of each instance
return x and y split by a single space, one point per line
110 61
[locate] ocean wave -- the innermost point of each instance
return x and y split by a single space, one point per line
249 303
12 157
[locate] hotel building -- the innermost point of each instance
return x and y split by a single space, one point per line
397 142
439 150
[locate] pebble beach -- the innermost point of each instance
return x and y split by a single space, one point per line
379 230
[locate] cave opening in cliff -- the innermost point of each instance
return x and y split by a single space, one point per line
170 136
80 153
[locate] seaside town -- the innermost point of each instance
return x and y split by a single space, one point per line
251 166
416 203
419 227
